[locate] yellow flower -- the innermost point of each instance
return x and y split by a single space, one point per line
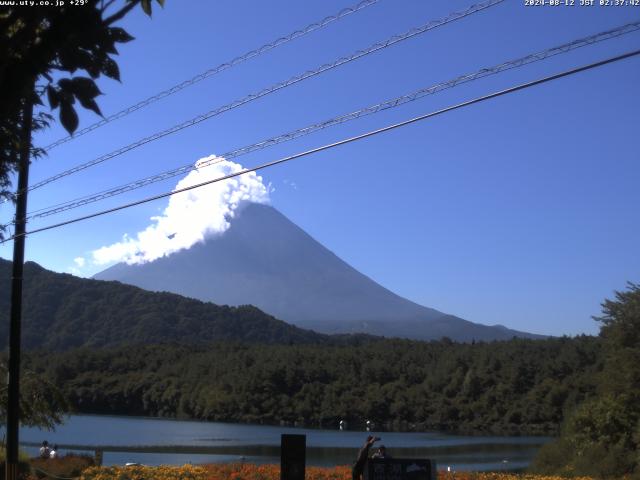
244 471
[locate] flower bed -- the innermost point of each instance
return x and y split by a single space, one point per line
140 472
245 471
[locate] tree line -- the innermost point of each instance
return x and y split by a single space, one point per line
514 387
601 438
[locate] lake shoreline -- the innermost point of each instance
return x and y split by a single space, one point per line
516 431
152 441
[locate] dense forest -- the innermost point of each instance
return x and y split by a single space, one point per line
520 386
62 311
601 438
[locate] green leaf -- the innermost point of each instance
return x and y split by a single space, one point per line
146 6
66 91
110 69
68 117
84 87
161 3
54 98
90 104
120 35
84 59
65 85
68 58
93 71
110 48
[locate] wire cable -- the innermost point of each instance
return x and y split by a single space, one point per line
215 70
345 141
274 88
372 109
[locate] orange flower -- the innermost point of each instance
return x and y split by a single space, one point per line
247 471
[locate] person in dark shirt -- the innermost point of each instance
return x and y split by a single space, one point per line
381 453
363 456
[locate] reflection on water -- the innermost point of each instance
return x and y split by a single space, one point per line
160 441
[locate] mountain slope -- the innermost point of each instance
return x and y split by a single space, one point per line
264 259
61 311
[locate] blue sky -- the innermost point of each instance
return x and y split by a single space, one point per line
521 211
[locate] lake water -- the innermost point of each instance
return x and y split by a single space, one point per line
159 441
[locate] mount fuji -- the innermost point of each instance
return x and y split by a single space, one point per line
265 260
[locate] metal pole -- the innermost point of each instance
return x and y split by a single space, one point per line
13 403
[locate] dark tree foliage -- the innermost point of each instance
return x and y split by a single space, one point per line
38 43
62 311
42 404
514 387
621 334
602 438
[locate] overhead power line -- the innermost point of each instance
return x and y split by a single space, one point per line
484 72
215 70
274 88
467 103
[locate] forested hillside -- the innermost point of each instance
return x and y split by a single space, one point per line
520 386
61 311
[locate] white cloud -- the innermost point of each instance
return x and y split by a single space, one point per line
290 183
190 216
76 268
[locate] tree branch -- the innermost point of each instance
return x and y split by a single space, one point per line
121 13
104 6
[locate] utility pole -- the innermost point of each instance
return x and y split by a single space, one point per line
13 380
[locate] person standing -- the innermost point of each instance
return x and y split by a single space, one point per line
54 452
381 453
363 456
45 451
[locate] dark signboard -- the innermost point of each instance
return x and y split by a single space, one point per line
400 469
292 456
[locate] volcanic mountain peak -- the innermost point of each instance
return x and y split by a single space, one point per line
265 260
